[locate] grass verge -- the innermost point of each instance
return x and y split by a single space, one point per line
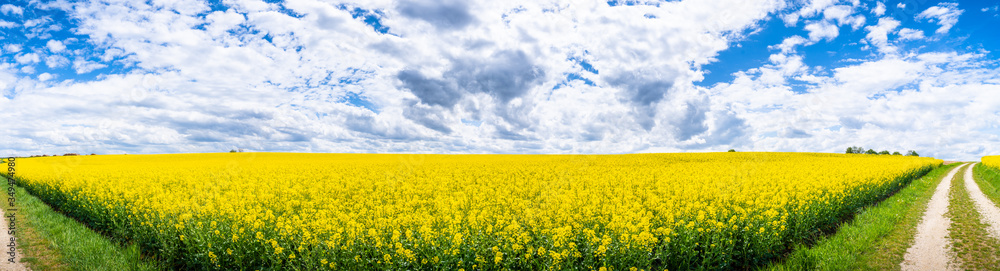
975 249
988 179
876 238
51 241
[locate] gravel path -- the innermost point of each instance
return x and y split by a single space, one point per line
7 265
931 249
989 211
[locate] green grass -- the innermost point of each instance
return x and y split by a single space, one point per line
51 241
876 238
988 179
975 249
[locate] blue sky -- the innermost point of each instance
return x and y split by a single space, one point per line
507 77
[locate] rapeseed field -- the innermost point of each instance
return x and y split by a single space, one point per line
295 211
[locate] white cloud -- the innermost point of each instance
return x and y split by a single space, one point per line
901 5
788 44
642 96
44 76
220 22
827 8
55 46
8 9
822 30
790 19
873 104
992 9
837 12
879 9
26 58
856 22
946 15
910 34
13 48
842 15
482 78
878 35
814 7
6 24
82 66
56 61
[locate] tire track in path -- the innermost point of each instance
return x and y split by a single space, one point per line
987 209
931 248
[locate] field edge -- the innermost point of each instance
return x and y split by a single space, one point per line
875 228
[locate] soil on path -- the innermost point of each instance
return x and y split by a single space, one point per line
987 209
931 249
6 265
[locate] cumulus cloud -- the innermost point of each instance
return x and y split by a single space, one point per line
822 30
55 46
788 44
8 9
12 47
82 66
945 14
910 34
56 61
478 77
860 102
878 35
879 9
27 58
374 77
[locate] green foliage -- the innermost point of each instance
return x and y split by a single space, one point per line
860 150
912 153
855 150
732 150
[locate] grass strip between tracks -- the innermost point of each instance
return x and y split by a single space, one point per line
972 245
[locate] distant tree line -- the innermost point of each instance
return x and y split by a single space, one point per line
860 150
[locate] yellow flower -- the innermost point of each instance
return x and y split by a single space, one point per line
556 208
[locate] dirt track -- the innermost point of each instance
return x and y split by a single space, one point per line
987 209
7 265
931 249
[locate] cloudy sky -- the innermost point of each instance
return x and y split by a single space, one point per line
549 76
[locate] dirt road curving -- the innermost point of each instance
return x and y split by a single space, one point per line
931 249
987 209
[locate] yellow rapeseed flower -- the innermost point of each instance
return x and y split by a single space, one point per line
356 210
